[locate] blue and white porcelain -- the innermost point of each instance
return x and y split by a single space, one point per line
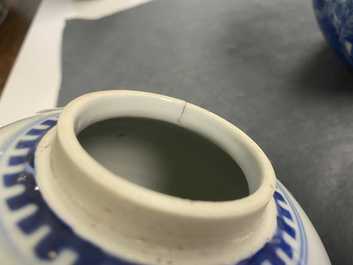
335 18
60 206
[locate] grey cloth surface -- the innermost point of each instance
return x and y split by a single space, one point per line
262 65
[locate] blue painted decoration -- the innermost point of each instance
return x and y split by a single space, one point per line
335 18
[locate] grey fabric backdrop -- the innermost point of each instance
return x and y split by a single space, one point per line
263 65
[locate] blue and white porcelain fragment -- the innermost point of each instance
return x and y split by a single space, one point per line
59 206
335 18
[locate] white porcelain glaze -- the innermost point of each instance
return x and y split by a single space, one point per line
132 223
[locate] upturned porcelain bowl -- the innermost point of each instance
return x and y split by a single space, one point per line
335 18
64 201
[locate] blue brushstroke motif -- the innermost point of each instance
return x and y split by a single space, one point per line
269 251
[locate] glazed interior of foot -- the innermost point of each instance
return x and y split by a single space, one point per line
165 158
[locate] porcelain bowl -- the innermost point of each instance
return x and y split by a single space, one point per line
62 204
